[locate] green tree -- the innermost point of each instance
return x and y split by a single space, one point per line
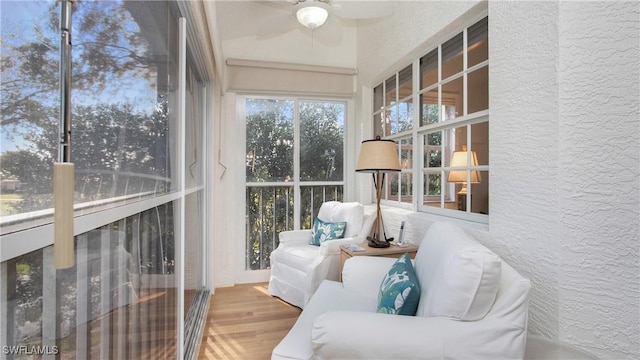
26 166
270 136
321 141
109 54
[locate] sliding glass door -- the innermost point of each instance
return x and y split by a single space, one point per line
138 144
294 163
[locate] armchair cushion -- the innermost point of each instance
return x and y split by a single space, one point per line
294 237
351 212
399 292
325 231
459 277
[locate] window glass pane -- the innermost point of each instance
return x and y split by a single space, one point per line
269 210
312 197
458 179
120 290
387 122
193 247
478 90
393 120
433 149
452 56
29 105
455 140
480 142
477 42
406 162
391 93
377 98
394 182
406 153
457 199
378 123
429 69
123 89
406 82
124 85
452 99
429 107
432 189
406 188
269 140
480 194
22 280
405 115
321 141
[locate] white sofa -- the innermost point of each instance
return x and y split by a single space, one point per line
472 306
298 268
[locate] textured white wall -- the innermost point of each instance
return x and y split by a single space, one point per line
565 153
523 136
599 176
564 141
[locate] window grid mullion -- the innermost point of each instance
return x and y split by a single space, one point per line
297 197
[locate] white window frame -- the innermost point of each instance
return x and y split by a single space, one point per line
244 275
419 132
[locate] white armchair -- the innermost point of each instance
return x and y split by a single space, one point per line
298 268
472 305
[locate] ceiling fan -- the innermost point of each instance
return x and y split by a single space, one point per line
314 13
321 15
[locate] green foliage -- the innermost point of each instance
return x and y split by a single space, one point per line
110 141
321 141
270 154
269 211
269 140
31 168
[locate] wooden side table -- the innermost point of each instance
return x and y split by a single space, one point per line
392 251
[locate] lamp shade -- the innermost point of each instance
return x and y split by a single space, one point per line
378 155
459 159
312 14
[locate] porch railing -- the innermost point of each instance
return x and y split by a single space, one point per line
270 210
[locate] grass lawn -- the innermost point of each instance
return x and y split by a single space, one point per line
7 201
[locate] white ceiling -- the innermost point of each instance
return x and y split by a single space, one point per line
268 30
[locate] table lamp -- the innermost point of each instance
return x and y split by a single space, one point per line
459 159
378 157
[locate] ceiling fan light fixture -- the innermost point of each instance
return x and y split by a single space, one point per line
312 14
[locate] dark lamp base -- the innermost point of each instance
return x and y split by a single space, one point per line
377 244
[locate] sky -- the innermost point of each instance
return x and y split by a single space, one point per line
17 20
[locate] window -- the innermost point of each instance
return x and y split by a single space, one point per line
447 137
139 169
122 127
294 150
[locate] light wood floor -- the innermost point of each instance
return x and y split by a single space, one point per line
245 322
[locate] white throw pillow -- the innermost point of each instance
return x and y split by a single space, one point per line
459 277
351 212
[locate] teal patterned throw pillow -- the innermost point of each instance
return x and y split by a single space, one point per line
399 292
324 231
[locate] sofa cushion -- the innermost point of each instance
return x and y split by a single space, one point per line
459 278
330 296
324 231
399 291
350 212
298 257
